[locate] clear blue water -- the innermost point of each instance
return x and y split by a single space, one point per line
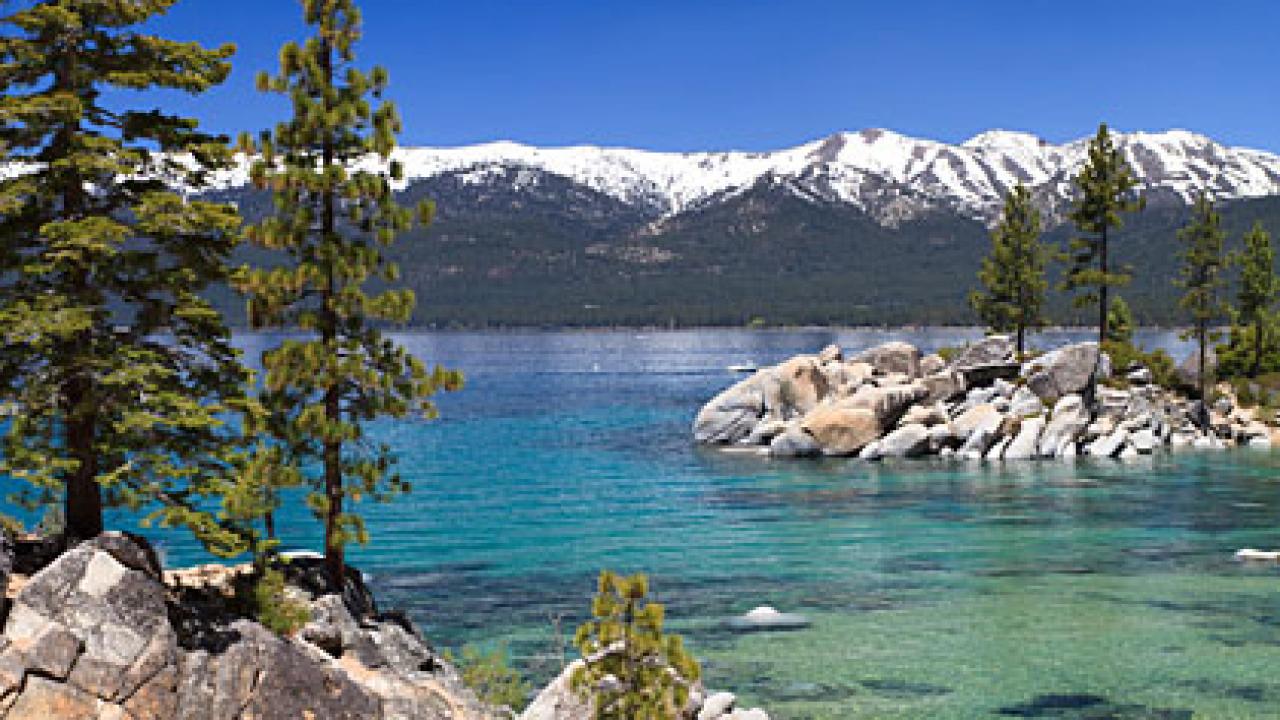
936 589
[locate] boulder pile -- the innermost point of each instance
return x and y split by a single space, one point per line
98 634
892 401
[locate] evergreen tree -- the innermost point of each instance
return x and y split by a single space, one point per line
123 375
1201 277
331 172
1105 187
1119 322
631 670
1013 275
1258 288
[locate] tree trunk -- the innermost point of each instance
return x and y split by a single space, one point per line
1257 348
334 555
1102 290
1021 334
1201 333
82 508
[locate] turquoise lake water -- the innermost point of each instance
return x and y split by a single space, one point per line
936 589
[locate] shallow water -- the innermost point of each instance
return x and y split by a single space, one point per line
937 589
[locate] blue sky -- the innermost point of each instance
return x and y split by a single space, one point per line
755 75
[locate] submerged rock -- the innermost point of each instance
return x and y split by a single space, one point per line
766 617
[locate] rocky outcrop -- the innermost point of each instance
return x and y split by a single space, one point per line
558 701
876 406
97 634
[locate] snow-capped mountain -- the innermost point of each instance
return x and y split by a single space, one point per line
889 176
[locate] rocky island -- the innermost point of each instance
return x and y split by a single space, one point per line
893 401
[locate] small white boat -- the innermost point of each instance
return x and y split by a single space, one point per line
1252 555
743 368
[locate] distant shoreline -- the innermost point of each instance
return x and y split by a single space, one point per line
414 329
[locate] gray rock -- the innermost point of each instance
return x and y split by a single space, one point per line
943 438
1025 404
831 353
731 416
1108 445
906 441
997 450
932 363
927 415
888 403
717 705
871 452
1065 371
794 442
991 350
1024 444
966 422
1066 424
983 431
942 386
765 431
893 357
1143 441
1139 376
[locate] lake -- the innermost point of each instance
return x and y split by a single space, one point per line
937 589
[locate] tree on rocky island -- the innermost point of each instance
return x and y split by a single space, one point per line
330 169
1105 188
630 669
1201 277
122 373
1256 299
1013 275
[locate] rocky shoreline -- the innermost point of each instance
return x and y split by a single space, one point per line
892 401
101 632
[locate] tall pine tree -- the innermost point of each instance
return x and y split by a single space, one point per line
1259 287
1013 275
123 374
1105 188
1201 277
331 172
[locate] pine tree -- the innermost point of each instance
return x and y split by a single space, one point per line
330 169
1259 287
124 376
1201 276
1119 322
1013 275
631 670
1106 187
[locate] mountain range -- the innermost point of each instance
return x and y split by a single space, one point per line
868 227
